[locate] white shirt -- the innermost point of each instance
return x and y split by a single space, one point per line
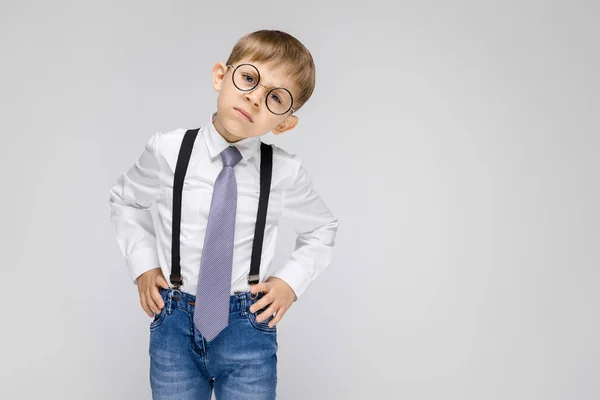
146 244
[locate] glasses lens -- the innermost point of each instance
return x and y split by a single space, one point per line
245 77
279 100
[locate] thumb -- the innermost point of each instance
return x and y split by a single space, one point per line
160 281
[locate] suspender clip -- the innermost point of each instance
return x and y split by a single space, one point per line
176 280
253 279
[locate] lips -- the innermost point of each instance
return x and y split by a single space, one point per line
244 112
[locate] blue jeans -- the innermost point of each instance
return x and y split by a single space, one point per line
240 363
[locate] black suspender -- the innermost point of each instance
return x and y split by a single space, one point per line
266 170
183 160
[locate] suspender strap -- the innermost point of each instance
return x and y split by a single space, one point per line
183 160
266 171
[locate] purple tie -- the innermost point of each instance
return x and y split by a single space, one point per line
211 311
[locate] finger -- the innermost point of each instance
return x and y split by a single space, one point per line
277 317
259 287
153 307
157 297
266 314
145 306
260 304
161 281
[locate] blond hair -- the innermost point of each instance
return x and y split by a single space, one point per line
278 48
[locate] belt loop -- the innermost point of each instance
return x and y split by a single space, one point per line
242 297
169 301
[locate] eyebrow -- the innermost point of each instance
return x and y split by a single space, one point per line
273 86
269 87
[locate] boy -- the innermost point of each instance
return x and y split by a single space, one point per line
219 193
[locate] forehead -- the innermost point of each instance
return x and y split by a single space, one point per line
271 75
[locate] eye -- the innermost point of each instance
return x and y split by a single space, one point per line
248 78
276 98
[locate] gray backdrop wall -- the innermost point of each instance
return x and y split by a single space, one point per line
457 143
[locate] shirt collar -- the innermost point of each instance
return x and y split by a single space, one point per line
217 143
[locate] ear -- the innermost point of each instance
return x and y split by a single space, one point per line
218 75
288 124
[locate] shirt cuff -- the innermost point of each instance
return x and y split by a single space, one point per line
142 260
296 276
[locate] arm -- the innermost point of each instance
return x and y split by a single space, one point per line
316 228
130 200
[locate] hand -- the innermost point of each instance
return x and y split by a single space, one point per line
278 294
148 284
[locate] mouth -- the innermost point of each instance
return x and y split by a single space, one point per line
243 113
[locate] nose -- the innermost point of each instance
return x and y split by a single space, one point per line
254 96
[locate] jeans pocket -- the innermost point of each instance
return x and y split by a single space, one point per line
158 319
262 326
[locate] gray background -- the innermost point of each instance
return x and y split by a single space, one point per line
457 143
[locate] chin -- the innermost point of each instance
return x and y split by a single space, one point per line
234 129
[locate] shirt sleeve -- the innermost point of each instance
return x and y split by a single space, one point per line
316 228
130 200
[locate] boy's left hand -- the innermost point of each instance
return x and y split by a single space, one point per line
278 294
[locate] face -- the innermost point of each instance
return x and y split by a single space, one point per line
230 121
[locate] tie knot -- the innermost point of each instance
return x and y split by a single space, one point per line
231 156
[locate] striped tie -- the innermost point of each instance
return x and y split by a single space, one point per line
211 311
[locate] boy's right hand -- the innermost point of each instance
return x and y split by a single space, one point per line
148 284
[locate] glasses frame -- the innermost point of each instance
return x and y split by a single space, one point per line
258 83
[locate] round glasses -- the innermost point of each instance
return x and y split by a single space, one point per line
246 78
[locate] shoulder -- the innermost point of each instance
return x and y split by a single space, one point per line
173 136
168 144
286 165
169 141
285 158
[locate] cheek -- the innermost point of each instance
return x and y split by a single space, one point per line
224 99
262 124
229 93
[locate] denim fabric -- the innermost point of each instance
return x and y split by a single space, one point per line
240 363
